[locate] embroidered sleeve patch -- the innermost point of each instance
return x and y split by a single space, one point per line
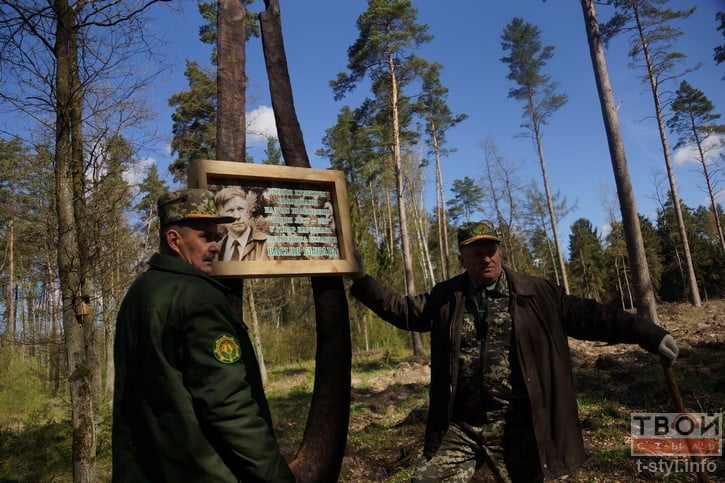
226 349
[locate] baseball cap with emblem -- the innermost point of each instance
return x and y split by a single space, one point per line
479 230
189 204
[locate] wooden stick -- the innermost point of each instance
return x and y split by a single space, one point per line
677 399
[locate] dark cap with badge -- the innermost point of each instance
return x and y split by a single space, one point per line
475 231
187 205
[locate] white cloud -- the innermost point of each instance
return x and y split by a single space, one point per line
714 147
605 230
260 124
136 173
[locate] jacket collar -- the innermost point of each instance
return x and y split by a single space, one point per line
167 263
519 284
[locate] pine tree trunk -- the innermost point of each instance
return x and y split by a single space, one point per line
374 212
420 234
231 81
441 211
692 280
552 214
619 282
390 231
710 189
400 198
646 305
319 457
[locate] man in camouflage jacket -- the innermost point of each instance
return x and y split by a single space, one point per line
188 401
501 390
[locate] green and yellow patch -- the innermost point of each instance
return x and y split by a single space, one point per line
226 349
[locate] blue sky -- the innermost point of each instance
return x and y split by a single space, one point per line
467 43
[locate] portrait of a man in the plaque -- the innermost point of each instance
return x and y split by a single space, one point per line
242 239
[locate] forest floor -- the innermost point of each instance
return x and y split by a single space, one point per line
389 402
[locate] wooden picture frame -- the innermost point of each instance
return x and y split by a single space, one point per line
299 219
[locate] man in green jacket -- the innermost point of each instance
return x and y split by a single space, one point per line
501 390
188 402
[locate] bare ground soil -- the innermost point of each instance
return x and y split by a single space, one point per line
389 409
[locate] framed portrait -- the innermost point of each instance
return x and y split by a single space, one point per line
288 221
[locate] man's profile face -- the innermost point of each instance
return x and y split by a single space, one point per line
196 244
240 210
482 261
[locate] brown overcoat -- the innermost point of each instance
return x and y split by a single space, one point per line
543 317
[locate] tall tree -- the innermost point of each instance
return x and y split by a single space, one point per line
388 32
526 59
646 305
586 258
694 120
534 216
652 31
12 166
499 177
467 199
196 110
194 120
54 53
149 190
439 118
323 444
272 153
115 243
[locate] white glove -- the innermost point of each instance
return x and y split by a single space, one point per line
668 348
360 265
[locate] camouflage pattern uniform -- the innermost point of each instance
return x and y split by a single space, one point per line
187 205
491 406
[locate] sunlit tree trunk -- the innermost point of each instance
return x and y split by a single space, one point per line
400 198
11 282
441 214
374 212
550 205
692 280
69 255
256 335
231 81
646 305
389 219
619 282
709 184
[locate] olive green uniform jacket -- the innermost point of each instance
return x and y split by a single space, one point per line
543 317
188 402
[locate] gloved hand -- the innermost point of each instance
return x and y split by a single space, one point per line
360 265
668 348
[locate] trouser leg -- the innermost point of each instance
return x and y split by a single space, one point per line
509 451
455 461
